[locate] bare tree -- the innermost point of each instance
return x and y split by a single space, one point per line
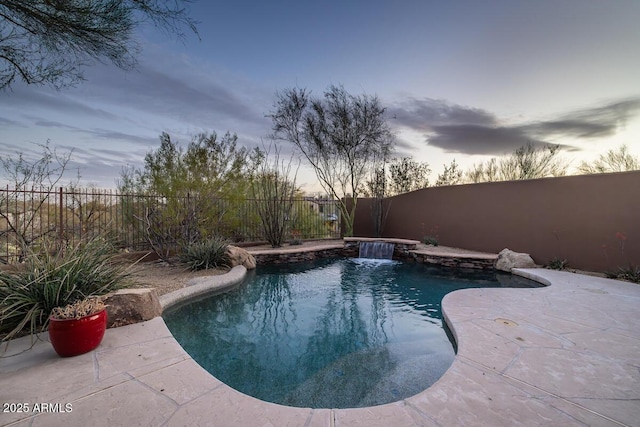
89 211
340 135
377 185
527 162
452 175
484 172
403 175
36 178
400 175
619 160
407 175
50 42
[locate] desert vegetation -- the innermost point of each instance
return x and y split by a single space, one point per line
54 275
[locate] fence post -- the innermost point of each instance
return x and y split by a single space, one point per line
61 231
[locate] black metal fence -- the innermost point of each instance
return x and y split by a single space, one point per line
140 222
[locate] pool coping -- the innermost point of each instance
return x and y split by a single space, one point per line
525 356
200 287
410 250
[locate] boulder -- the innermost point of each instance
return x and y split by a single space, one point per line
508 259
127 306
239 256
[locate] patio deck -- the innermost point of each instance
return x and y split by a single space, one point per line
564 355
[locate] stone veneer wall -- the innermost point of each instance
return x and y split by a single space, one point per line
290 257
453 261
403 250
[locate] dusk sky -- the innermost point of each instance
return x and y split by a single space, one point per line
467 80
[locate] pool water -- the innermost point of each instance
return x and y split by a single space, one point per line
339 333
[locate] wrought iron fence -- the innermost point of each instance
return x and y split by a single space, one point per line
140 222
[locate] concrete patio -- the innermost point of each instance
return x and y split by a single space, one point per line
564 355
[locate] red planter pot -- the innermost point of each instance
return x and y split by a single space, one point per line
71 337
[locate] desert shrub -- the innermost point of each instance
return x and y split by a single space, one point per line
631 274
430 240
201 191
210 253
308 223
52 278
558 264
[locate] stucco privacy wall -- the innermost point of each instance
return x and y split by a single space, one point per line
574 218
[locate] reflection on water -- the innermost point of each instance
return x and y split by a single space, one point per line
331 333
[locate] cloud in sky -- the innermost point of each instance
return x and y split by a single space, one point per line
7 122
484 79
424 113
127 111
460 129
182 96
43 99
51 124
119 119
110 135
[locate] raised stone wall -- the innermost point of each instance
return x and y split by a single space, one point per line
454 261
275 257
404 250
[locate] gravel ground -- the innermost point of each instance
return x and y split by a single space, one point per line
165 277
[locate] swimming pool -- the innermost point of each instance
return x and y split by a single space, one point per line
338 333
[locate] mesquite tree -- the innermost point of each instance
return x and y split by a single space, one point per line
407 175
340 135
451 175
619 160
50 42
527 162
200 191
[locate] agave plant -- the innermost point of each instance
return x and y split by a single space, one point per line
210 253
55 278
631 273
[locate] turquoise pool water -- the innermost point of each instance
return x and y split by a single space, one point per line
339 333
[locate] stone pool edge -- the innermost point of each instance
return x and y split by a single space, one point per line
201 287
514 343
506 397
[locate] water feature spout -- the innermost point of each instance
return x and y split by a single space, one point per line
377 250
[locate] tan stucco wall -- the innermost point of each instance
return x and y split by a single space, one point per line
574 218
